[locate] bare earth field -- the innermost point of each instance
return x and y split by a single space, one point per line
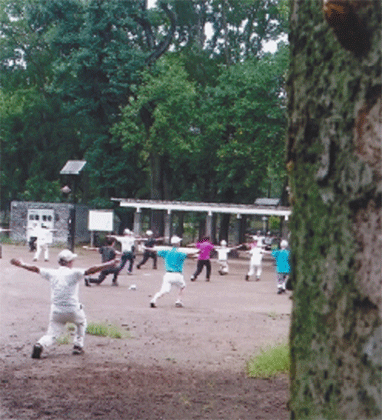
177 364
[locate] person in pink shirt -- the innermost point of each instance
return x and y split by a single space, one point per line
205 247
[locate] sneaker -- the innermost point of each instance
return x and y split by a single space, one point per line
37 350
279 291
129 273
138 266
77 350
152 305
247 277
179 304
115 283
257 278
87 283
192 278
207 279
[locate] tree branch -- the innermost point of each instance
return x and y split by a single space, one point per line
163 46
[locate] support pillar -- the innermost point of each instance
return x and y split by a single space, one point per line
209 224
137 222
284 228
167 226
238 229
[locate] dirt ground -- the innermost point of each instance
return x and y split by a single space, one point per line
176 364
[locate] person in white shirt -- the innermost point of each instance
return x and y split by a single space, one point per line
43 238
256 253
223 252
127 242
65 304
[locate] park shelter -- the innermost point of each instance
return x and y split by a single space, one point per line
265 208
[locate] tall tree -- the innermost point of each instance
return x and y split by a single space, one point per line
72 63
334 159
158 122
32 138
241 125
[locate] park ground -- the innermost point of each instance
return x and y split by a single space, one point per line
175 364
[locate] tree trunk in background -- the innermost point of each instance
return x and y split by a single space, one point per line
224 227
334 162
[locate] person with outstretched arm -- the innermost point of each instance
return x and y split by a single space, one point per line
65 304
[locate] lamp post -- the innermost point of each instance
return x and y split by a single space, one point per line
72 169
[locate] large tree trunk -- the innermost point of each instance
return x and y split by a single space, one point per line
334 161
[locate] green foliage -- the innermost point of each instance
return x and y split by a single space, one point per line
274 223
270 362
37 189
244 120
158 122
205 122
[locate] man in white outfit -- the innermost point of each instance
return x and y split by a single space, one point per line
65 305
42 234
223 252
256 252
127 242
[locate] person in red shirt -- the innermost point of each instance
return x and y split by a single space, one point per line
205 247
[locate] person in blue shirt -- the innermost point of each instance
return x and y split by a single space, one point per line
174 260
282 265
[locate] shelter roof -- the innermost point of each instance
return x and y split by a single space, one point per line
191 206
267 202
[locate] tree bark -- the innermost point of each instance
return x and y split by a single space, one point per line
334 163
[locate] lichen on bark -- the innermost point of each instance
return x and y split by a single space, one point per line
334 163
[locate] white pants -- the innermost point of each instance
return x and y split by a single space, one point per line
169 280
57 322
255 267
41 247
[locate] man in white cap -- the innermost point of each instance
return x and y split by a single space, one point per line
148 245
65 305
127 242
174 260
256 253
223 252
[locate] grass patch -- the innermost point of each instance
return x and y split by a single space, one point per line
105 330
63 339
270 362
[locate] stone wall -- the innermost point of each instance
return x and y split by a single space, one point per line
19 220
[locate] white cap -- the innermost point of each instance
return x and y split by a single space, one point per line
284 243
175 240
66 255
223 243
127 232
149 232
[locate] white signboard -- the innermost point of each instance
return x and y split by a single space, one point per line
101 220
